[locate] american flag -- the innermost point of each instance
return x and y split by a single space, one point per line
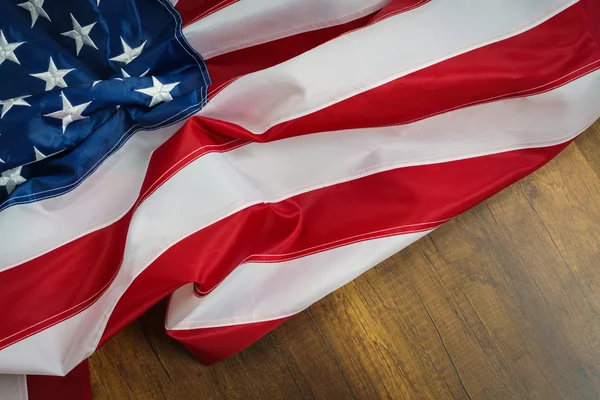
247 158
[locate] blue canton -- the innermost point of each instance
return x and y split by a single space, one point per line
78 78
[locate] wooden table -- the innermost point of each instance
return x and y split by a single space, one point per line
501 303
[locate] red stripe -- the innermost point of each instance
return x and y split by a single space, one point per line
210 345
593 16
379 205
194 10
557 51
53 287
74 386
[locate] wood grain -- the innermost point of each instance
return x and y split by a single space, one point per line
501 303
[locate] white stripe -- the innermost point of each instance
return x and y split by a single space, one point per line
251 22
257 292
13 387
373 56
32 229
219 184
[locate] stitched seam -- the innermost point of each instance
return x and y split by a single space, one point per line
206 11
209 11
220 8
327 246
48 326
179 35
508 96
294 31
97 294
71 238
182 167
383 235
376 82
198 293
392 13
223 86
211 146
339 241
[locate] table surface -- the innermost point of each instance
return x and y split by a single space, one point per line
503 302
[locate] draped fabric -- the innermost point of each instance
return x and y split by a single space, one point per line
246 158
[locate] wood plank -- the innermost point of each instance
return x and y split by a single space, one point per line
589 145
500 303
378 334
126 368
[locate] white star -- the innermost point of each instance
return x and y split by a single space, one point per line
16 101
129 54
80 34
68 113
38 154
54 77
160 92
7 50
11 179
126 75
35 9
